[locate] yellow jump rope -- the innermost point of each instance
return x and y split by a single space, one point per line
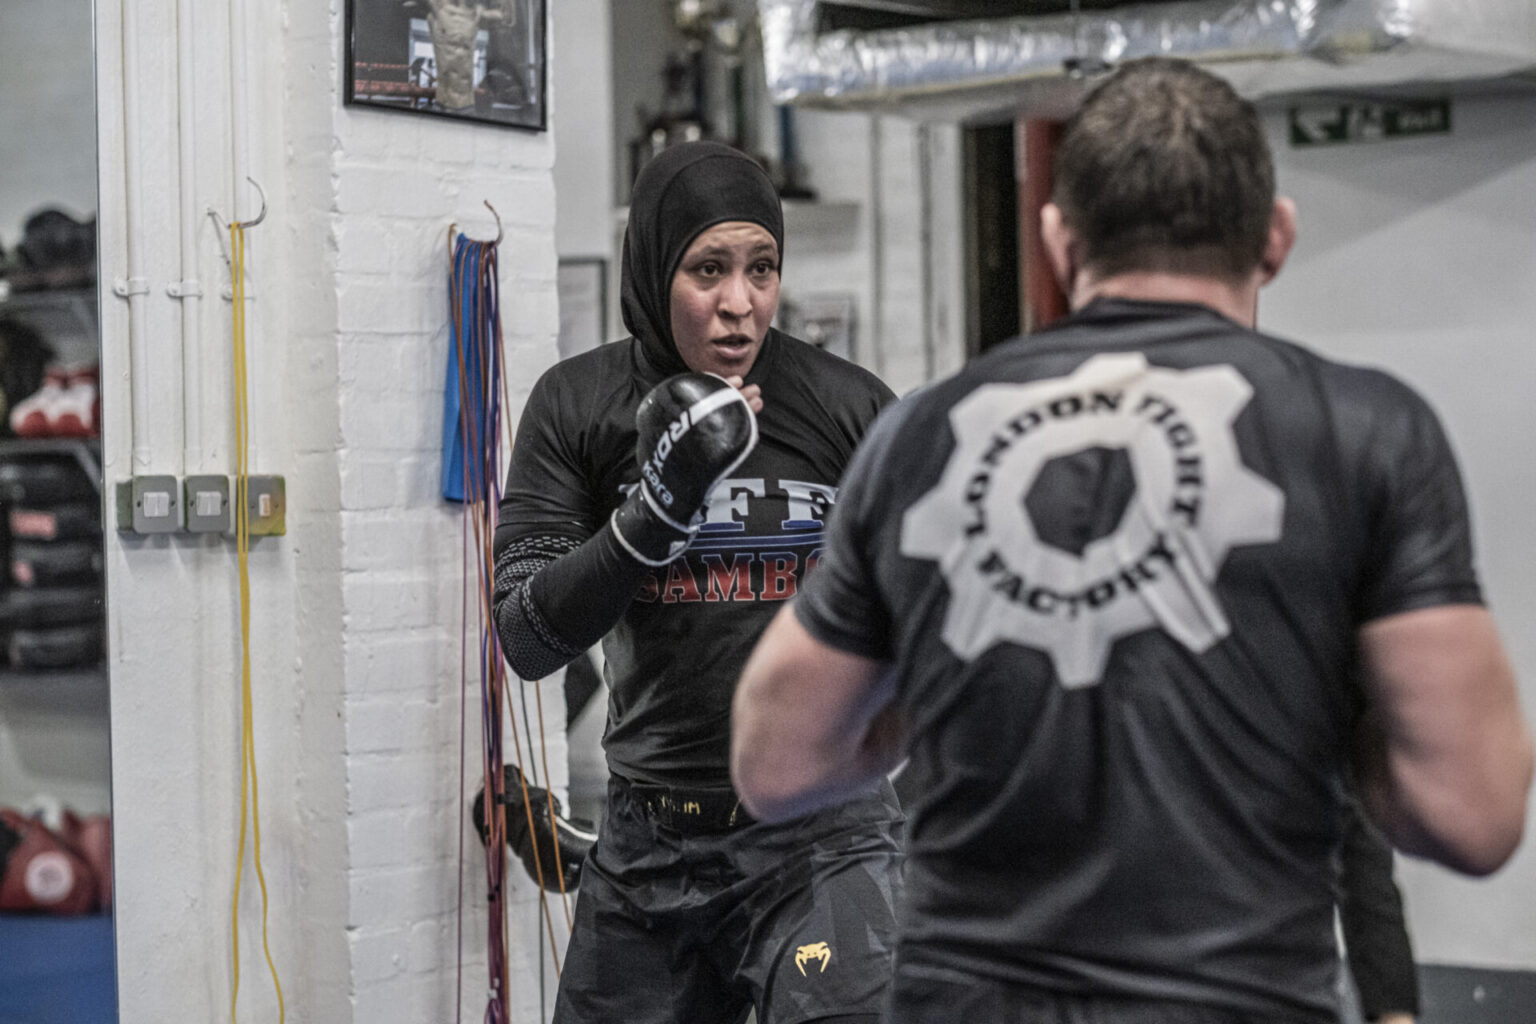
249 802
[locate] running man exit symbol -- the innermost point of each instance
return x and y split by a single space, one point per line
1333 123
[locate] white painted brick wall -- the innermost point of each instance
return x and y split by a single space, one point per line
357 618
399 182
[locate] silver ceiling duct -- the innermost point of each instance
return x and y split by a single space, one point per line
1000 67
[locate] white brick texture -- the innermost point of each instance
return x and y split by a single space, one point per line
397 183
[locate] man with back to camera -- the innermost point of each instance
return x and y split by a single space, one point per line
689 910
1110 588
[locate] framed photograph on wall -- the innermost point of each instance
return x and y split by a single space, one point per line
473 61
582 284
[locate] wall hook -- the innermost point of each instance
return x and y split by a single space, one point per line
224 228
263 214
488 206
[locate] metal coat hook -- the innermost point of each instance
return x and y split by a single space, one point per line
228 290
263 214
488 206
243 223
224 228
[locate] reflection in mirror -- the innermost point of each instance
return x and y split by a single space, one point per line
55 828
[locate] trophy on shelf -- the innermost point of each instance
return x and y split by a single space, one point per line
708 95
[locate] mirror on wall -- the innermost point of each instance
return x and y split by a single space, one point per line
56 960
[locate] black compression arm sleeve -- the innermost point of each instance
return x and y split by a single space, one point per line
554 598
1376 940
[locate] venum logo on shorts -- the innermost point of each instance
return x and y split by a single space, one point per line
1013 579
815 951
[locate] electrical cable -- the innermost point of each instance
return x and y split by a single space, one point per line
248 777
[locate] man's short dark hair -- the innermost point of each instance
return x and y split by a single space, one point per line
1165 168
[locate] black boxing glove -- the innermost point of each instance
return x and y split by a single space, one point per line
694 430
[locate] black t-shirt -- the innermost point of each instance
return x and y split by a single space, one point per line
1119 567
674 657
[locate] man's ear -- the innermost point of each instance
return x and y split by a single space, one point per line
1059 241
1282 236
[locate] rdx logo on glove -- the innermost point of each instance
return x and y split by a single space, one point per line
653 466
667 439
691 431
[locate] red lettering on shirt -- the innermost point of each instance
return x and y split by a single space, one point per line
779 576
733 584
680 585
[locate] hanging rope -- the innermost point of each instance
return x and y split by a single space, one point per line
248 783
474 400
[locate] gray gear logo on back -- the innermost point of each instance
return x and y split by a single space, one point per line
1192 502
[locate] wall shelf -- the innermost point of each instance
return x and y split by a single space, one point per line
52 684
84 450
801 217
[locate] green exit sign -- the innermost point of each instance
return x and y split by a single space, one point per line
1329 124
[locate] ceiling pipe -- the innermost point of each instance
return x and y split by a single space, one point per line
1000 68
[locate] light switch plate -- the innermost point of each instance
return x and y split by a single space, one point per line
207 504
266 504
149 504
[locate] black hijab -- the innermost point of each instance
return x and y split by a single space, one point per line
680 194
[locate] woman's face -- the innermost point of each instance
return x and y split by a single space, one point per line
724 295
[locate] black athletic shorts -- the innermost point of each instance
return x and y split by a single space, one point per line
793 919
930 994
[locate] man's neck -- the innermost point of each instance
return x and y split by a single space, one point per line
1233 301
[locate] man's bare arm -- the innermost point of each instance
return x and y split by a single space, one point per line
1444 754
811 724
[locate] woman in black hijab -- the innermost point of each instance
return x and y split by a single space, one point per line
688 909
687 193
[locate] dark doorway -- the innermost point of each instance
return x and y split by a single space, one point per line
992 237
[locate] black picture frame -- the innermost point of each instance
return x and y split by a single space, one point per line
393 60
